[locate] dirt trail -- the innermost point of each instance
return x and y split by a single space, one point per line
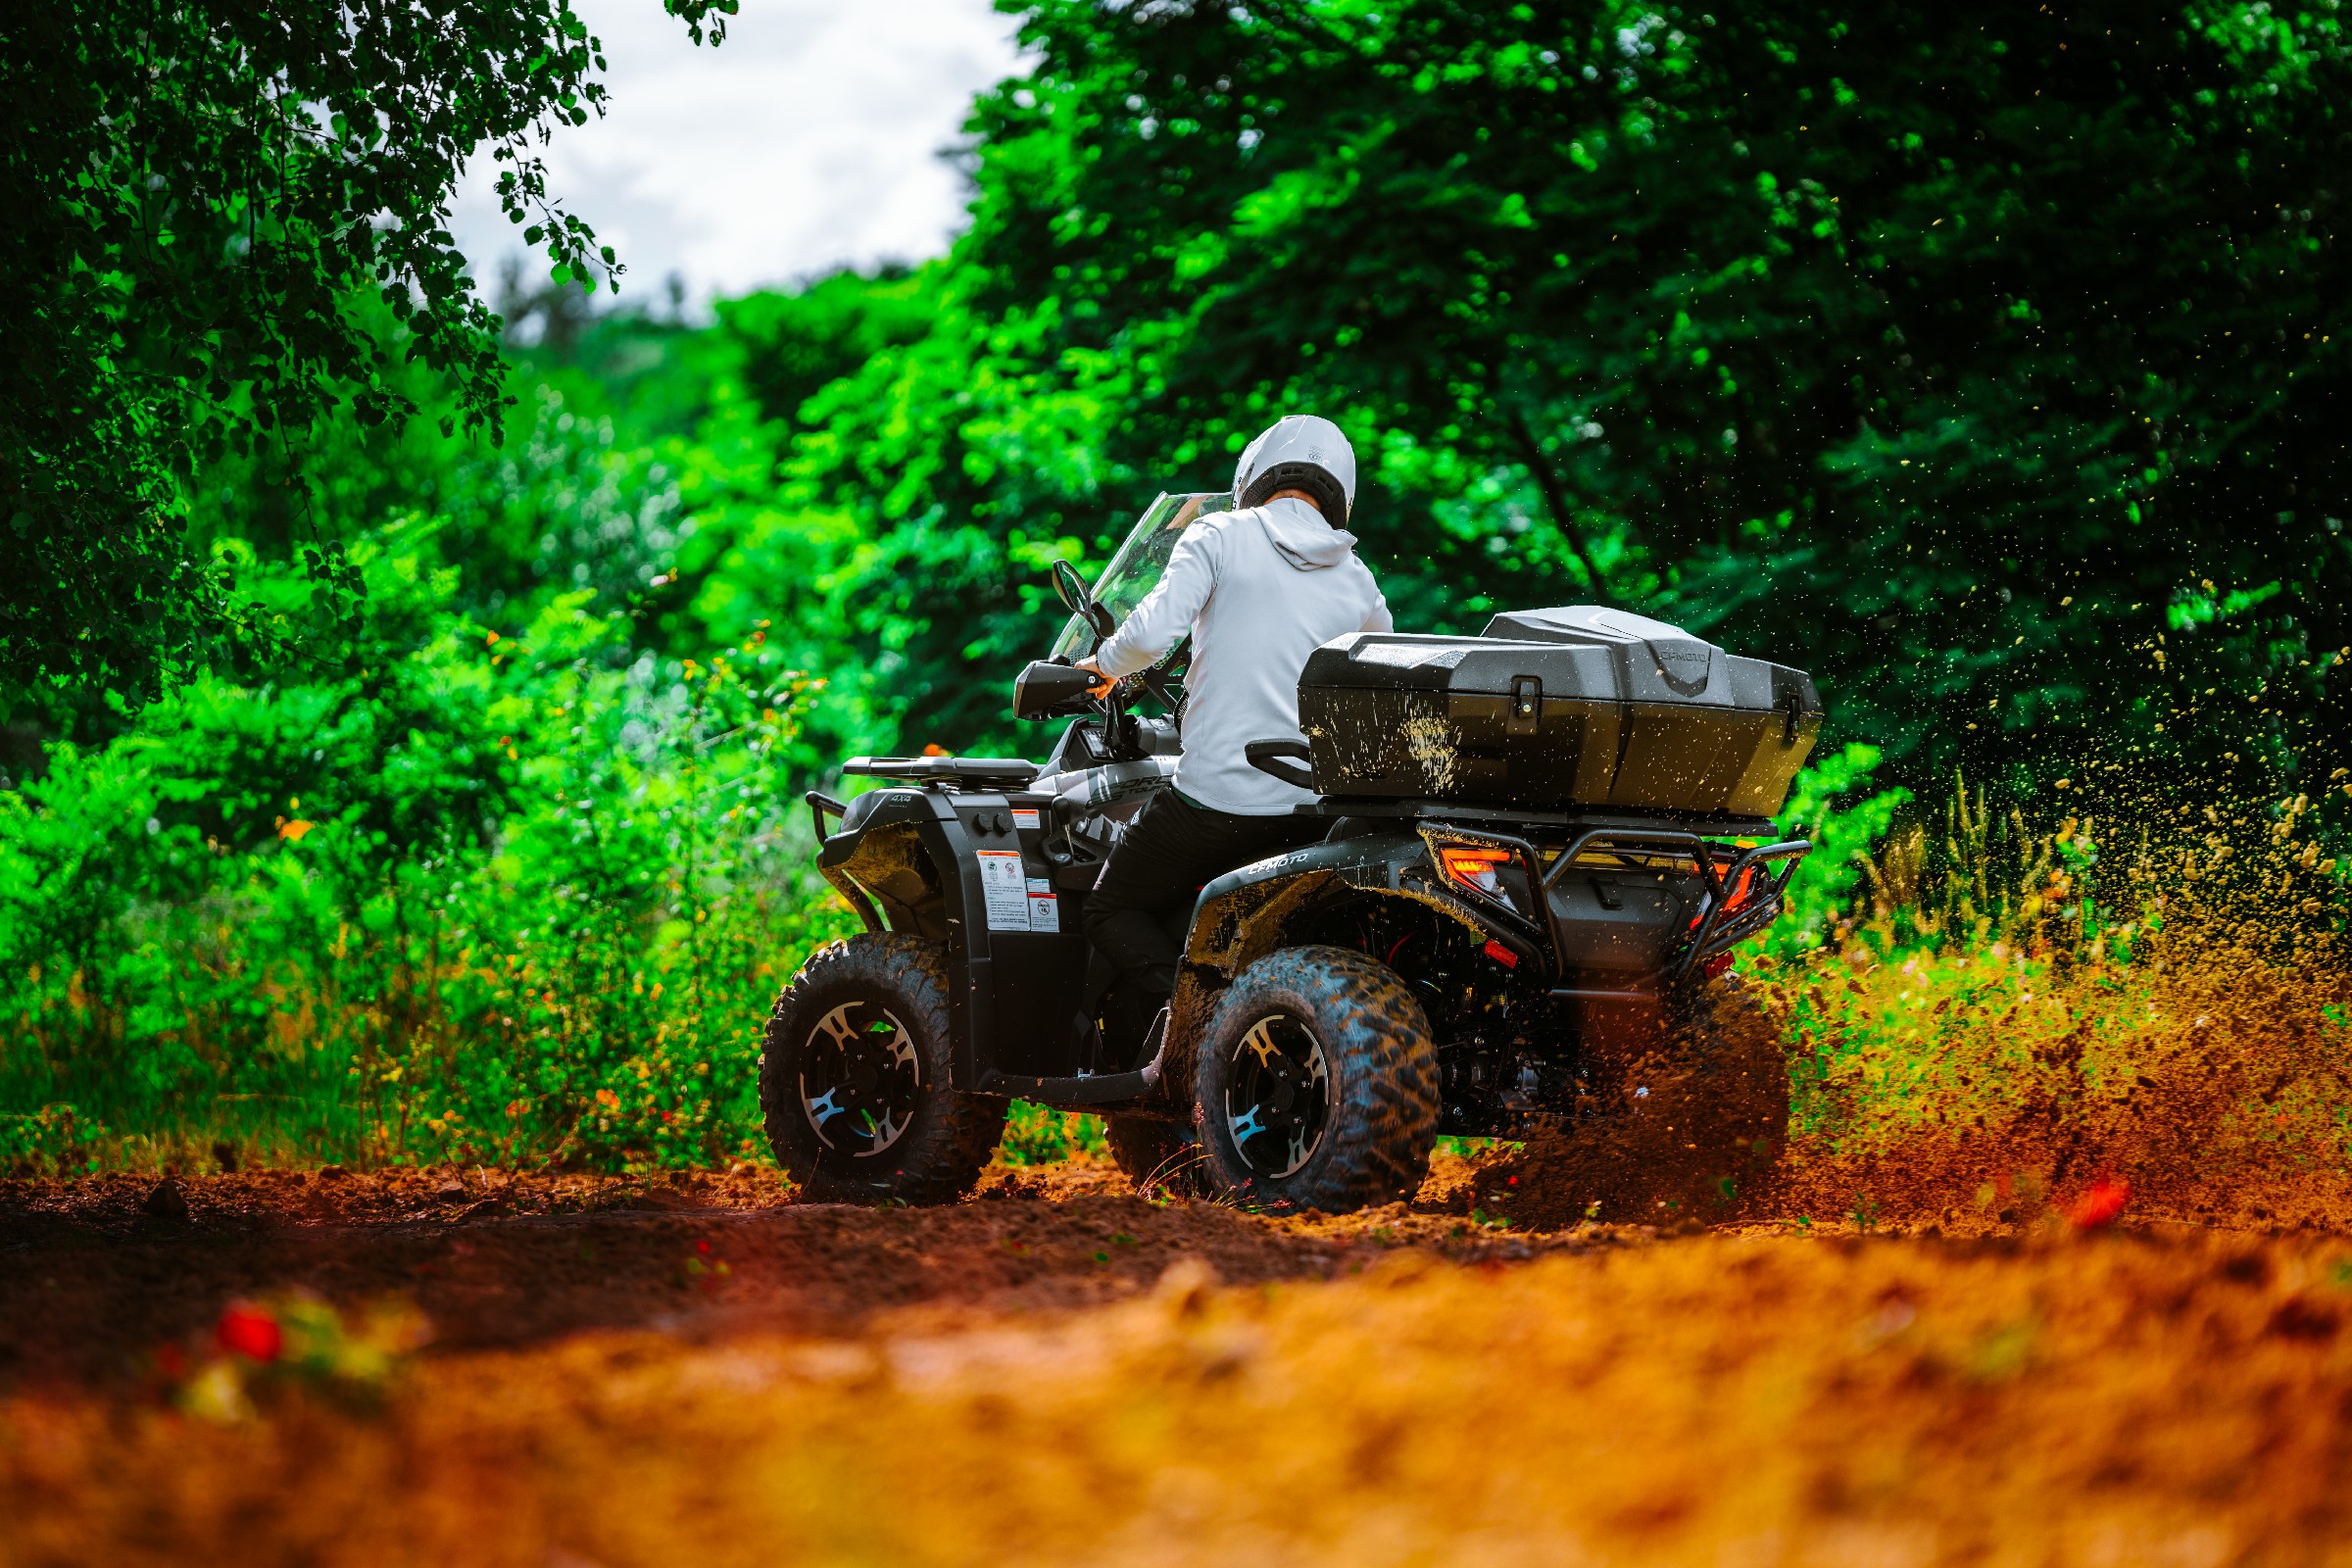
2092 1304
91 1283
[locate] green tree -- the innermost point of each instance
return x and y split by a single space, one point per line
1971 357
207 203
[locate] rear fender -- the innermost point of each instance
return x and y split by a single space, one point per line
1248 912
1242 916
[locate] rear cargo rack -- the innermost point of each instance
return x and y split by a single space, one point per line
1746 885
1570 819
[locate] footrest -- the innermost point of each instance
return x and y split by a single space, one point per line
1097 1089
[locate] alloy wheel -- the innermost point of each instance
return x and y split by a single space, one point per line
860 1079
1278 1096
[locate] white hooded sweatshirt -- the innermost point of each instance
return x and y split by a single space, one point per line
1258 590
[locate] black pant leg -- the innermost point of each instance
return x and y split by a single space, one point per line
1147 872
1169 853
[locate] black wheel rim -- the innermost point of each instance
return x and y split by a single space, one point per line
860 1079
1276 1096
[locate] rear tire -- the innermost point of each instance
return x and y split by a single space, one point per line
1159 1156
854 1079
1318 1083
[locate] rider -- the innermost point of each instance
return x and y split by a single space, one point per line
1258 589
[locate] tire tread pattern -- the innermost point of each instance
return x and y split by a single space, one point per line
1376 1038
939 1159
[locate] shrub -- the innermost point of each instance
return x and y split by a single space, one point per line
487 895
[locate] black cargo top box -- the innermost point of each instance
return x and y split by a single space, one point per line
1580 705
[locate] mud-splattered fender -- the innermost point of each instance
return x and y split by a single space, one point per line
1243 915
1240 917
893 850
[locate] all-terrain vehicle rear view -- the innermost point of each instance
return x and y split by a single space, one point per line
1524 849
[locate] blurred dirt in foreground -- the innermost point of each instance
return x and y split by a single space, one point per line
625 1372
1079 1376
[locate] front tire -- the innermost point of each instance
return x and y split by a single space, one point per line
1317 1082
855 1075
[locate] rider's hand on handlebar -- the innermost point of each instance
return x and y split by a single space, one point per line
1102 683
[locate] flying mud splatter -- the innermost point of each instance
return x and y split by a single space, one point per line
2169 1031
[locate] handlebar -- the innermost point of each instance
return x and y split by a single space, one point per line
1054 688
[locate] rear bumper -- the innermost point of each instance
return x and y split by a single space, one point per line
1611 921
1619 909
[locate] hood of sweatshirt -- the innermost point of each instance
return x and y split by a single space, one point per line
1302 537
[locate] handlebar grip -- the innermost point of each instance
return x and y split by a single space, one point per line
1280 759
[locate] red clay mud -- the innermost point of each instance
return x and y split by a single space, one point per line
2132 1395
91 1284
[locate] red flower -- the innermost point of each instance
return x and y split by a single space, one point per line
248 1331
2099 1204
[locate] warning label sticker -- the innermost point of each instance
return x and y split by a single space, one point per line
1005 886
1045 909
1024 820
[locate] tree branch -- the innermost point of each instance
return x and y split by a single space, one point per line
1548 483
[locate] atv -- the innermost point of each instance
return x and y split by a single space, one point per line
1525 848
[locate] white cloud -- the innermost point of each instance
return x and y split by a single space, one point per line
809 140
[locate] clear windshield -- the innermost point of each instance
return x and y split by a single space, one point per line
1134 571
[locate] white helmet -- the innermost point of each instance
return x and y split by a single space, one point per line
1299 451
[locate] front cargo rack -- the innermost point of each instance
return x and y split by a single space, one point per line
972 772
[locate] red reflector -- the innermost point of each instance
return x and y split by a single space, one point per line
1502 956
1718 966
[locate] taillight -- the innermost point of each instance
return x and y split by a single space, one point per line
1473 867
1734 896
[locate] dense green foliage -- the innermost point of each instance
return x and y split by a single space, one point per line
1984 367
204 202
504 895
1980 362
1970 359
1952 352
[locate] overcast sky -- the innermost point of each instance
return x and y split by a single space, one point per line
808 139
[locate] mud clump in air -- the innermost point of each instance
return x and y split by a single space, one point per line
1674 1136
